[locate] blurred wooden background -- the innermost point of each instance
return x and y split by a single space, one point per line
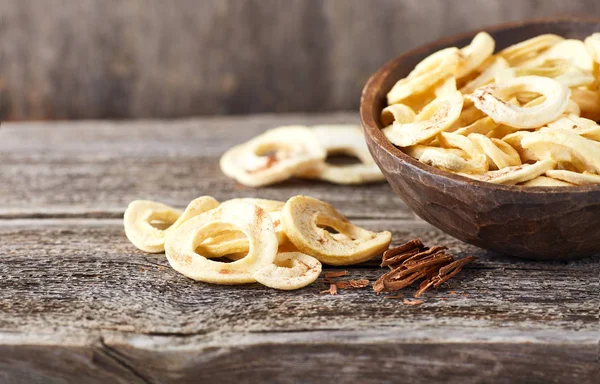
71 59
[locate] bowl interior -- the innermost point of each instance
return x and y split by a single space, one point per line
374 94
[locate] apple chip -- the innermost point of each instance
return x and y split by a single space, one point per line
481 47
487 76
592 44
436 117
428 72
291 270
477 160
500 154
526 50
148 223
570 50
400 113
484 126
564 146
489 99
251 220
514 140
274 156
585 178
347 140
588 101
516 174
544 181
305 220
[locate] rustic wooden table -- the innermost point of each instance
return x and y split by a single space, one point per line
76 298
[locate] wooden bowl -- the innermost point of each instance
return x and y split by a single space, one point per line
544 223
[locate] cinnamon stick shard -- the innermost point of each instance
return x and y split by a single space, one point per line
413 261
409 246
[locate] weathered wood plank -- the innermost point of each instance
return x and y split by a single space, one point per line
94 169
84 274
370 356
117 59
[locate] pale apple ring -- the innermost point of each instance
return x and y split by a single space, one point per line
427 73
544 181
348 140
247 218
295 149
435 118
480 49
302 217
499 152
525 50
588 101
514 140
302 271
592 44
140 214
569 50
477 159
484 126
489 100
397 112
514 175
232 243
487 76
565 146
576 178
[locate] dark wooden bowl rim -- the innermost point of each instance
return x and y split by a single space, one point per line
370 117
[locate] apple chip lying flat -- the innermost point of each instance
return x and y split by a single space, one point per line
280 245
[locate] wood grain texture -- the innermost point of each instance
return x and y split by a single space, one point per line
501 317
95 169
137 58
78 300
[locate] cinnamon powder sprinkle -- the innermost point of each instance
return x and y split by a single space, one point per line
413 261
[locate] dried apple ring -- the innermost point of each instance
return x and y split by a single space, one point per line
514 140
487 76
500 153
525 50
436 117
489 100
443 158
426 74
274 156
477 159
514 175
290 270
483 126
592 44
304 218
348 140
585 178
564 146
588 101
544 181
564 72
481 47
584 127
140 215
570 50
235 242
397 112
252 220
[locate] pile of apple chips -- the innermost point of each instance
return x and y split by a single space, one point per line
526 115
